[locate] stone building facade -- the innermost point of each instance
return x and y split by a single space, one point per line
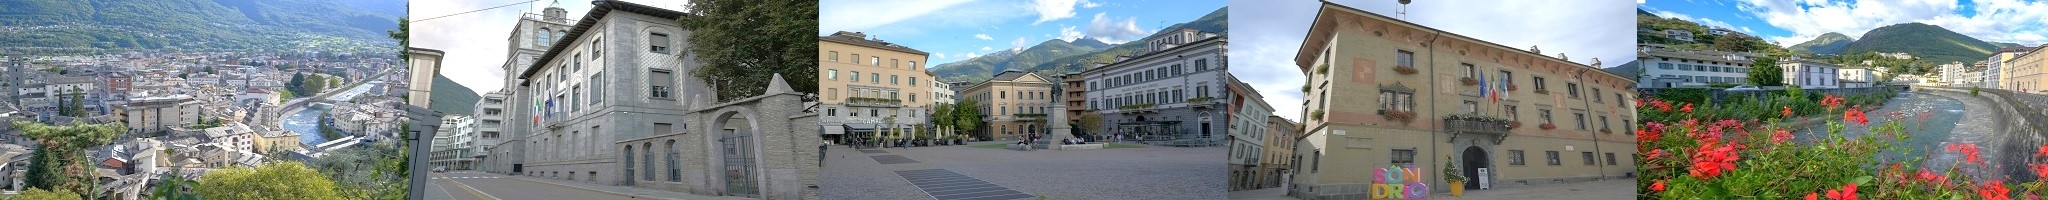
531 37
614 104
1383 92
1175 90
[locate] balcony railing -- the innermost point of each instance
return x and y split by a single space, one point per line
1474 124
873 102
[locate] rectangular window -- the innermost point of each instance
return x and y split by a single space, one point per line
1610 158
659 84
1470 70
1469 107
832 74
658 43
1202 64
1404 58
1581 119
1509 111
1603 122
892 79
875 61
1515 158
856 59
831 93
1553 158
895 64
1539 83
1404 156
875 78
1544 115
1396 101
913 81
1572 89
914 67
834 57
597 91
1589 158
1596 95
596 48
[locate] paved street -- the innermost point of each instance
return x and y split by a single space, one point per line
1608 189
965 172
469 185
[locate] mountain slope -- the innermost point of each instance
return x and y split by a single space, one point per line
1927 42
1058 56
285 25
452 98
1830 43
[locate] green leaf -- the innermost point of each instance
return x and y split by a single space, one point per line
1863 180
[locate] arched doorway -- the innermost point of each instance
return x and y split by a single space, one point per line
738 154
1475 158
628 177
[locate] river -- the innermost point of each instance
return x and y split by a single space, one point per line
302 122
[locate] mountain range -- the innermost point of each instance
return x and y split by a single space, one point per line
1058 56
1929 43
451 98
287 25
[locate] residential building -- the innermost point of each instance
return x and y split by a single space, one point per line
1074 93
454 145
424 65
870 86
1668 68
1015 103
1859 77
1678 34
1279 147
490 119
1810 74
1382 92
1954 73
942 93
1247 135
1998 74
2027 71
158 114
1175 92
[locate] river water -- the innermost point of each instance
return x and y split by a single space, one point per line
303 121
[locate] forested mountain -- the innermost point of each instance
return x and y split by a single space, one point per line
1830 43
64 26
1058 56
1927 42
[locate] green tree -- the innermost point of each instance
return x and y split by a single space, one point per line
1765 72
276 180
314 84
967 117
1090 121
742 43
61 164
942 115
1732 43
298 80
40 194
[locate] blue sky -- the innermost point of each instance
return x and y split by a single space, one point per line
1789 22
1266 34
954 30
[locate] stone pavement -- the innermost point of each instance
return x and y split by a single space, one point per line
438 191
1607 189
1151 172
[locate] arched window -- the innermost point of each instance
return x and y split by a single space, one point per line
675 172
545 38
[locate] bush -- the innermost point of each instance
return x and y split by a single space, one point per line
40 194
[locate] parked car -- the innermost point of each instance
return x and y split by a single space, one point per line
1744 88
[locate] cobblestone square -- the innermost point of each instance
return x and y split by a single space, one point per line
1151 172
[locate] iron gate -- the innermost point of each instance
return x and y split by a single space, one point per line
739 164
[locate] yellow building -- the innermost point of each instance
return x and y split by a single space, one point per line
2025 71
1014 103
1383 93
864 82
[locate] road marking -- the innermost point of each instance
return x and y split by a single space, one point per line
471 190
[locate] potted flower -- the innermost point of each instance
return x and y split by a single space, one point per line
1404 69
1457 181
1511 87
1547 126
1514 124
1468 81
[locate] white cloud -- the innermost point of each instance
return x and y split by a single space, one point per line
984 36
1113 31
1992 20
1087 4
1068 33
938 56
971 55
1049 10
1019 43
986 49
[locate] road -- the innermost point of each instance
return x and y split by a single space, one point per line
487 186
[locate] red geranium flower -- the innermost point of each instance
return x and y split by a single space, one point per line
2043 151
1995 190
1831 101
1846 193
1856 115
1969 151
1787 111
1711 160
1781 136
1812 196
1658 186
1687 108
1654 154
2039 170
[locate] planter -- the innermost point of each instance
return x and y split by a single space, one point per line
1405 70
1548 126
1457 188
1514 124
1511 87
1468 81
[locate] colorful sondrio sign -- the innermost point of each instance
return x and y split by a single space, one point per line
1398 182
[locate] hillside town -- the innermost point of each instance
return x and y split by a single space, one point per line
187 113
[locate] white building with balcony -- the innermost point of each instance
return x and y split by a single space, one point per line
1810 74
1668 68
